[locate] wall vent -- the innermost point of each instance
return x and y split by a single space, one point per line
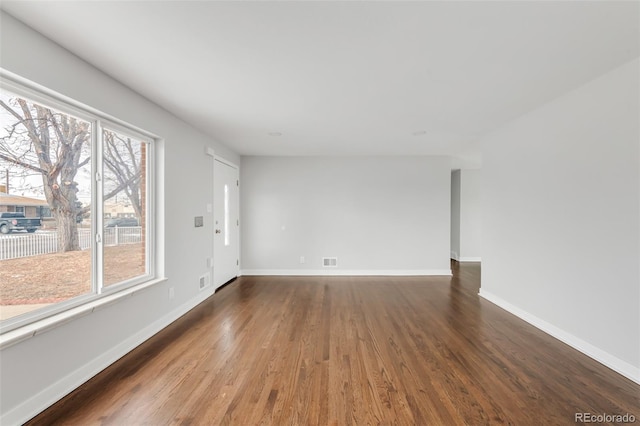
329 262
204 281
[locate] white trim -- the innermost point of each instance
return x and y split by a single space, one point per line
343 272
224 161
115 126
469 259
227 162
97 207
454 255
152 208
211 214
47 397
11 337
616 364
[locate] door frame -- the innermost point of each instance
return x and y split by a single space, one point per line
233 165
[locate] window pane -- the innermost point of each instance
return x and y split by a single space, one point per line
124 200
45 162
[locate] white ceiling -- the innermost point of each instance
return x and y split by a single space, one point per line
344 78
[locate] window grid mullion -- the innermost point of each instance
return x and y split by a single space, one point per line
98 212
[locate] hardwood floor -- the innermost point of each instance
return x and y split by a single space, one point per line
349 350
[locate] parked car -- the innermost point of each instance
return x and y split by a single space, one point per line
12 221
121 222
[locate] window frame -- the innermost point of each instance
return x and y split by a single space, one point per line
98 120
149 211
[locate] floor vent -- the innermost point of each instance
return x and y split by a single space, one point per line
330 262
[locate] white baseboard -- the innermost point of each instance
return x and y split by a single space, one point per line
47 397
470 259
454 255
622 367
343 272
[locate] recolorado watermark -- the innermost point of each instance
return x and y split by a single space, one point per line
604 418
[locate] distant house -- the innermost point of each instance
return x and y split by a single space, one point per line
31 207
34 207
113 210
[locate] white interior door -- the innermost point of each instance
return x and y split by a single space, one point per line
225 222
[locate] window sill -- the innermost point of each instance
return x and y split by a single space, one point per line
18 335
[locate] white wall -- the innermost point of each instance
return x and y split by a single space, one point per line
466 215
470 216
561 208
455 214
39 370
386 215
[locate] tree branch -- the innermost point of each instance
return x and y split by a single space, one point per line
26 121
20 163
111 194
120 187
84 162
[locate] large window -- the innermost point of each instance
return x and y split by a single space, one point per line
85 169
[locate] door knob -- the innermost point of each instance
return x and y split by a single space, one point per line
218 231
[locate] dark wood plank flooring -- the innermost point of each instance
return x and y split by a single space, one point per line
349 350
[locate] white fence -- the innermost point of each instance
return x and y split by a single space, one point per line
14 246
117 236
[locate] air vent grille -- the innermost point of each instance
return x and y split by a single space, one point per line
204 281
330 262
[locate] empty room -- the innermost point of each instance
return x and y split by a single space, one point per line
319 212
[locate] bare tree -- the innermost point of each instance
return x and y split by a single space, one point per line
57 146
122 159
